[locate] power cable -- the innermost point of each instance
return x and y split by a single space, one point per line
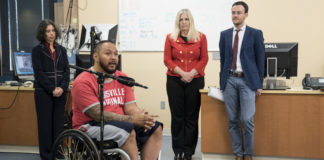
13 102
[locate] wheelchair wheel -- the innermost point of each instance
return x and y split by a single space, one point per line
74 145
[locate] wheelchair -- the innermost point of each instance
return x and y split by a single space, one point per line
75 145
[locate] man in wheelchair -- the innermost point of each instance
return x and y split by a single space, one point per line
130 127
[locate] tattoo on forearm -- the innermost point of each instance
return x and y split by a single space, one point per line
108 116
130 118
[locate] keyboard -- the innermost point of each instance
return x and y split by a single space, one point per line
277 88
15 84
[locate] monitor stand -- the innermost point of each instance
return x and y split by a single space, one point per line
271 83
25 78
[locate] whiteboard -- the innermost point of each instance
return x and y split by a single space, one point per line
144 24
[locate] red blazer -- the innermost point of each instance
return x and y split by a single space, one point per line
186 55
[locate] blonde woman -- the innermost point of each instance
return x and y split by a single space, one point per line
185 56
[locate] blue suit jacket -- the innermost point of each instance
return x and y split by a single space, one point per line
251 56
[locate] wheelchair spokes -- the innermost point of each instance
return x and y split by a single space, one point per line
73 145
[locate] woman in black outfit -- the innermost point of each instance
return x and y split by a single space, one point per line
51 73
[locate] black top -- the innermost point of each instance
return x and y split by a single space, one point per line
184 38
49 74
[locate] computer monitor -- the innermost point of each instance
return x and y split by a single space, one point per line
281 59
83 61
22 65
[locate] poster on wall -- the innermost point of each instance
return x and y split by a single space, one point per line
69 40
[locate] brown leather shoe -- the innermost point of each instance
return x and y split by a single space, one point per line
238 158
247 157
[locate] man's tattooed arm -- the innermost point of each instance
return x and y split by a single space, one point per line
94 113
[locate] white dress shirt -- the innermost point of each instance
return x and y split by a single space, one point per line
240 39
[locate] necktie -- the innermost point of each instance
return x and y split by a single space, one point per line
235 47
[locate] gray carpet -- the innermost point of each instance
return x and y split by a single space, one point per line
167 153
18 156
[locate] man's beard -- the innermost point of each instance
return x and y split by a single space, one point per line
239 22
109 71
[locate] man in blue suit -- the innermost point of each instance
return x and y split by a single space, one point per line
241 78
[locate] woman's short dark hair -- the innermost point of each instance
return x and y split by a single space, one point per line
41 30
246 7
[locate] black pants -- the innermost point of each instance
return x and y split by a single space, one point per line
184 101
50 118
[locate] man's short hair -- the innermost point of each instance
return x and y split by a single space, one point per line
246 7
98 45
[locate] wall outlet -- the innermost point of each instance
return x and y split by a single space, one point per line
162 105
216 55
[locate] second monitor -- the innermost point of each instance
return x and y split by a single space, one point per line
281 60
286 55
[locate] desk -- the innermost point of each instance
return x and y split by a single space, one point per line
287 124
18 119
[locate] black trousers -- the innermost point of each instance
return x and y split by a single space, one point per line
50 118
184 101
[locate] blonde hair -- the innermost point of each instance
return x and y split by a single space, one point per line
193 33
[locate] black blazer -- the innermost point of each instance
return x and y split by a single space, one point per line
48 75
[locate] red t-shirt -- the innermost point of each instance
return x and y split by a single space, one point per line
85 95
